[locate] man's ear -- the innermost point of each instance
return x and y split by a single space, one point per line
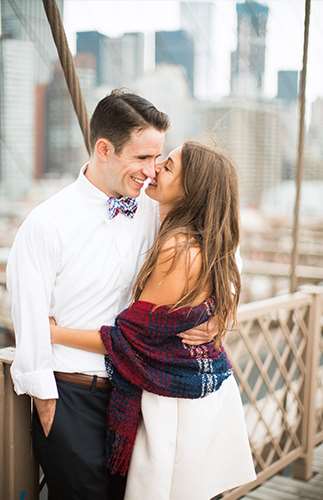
103 148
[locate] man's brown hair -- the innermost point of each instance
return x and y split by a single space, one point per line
118 114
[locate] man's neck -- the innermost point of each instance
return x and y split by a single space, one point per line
93 175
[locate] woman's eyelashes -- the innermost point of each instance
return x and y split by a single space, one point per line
160 160
166 166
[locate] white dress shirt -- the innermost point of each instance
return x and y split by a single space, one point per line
71 262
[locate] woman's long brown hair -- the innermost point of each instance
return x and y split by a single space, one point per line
208 216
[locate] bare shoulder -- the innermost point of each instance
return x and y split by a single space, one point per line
178 253
177 268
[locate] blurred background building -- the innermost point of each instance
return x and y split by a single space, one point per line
250 132
119 60
198 19
25 20
176 48
248 60
260 133
27 53
65 149
17 117
287 94
287 86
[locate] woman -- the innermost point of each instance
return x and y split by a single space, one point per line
179 443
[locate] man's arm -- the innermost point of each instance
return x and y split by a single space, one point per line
31 273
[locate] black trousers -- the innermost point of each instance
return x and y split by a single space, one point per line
73 455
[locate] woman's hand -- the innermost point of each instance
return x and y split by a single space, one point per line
53 330
206 332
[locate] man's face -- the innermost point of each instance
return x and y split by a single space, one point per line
127 170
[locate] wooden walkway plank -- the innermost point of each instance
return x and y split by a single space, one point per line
318 462
258 494
273 492
297 487
287 488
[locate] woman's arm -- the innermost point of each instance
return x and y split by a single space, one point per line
164 287
87 340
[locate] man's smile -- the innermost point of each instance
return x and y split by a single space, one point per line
137 180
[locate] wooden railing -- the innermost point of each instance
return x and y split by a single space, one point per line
276 358
275 245
277 355
305 274
276 276
319 395
267 258
264 251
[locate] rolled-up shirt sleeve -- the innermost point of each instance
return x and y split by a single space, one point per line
31 273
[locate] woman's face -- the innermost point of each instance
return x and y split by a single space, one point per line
168 188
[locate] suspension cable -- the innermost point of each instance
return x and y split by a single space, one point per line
300 155
66 59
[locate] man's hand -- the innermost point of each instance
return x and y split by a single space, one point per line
201 334
46 411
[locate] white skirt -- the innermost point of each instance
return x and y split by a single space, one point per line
190 449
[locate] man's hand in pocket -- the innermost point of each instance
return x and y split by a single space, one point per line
46 412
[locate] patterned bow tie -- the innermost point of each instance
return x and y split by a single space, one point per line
127 206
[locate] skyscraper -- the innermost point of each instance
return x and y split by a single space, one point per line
197 18
250 131
17 118
119 60
27 52
176 101
287 85
133 46
26 20
176 47
248 60
317 120
287 92
65 149
313 168
97 44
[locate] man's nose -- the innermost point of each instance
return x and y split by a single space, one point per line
149 169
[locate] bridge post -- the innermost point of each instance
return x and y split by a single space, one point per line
302 468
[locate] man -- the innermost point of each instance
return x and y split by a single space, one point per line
75 258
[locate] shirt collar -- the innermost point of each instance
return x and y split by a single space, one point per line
88 189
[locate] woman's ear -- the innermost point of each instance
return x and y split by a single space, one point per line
103 148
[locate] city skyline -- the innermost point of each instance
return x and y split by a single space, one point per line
281 53
258 130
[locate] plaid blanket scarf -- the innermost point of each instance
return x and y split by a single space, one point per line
144 353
